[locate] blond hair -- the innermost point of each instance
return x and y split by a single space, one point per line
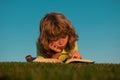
52 27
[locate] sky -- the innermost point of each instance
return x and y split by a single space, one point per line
97 22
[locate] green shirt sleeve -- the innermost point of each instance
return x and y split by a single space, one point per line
65 54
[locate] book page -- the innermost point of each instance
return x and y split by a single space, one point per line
78 61
47 60
51 60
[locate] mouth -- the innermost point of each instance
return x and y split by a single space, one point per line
61 47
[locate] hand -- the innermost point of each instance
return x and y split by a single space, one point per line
75 54
54 47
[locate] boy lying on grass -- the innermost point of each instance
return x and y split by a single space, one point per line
57 38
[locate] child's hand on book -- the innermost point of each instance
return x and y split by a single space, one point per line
75 54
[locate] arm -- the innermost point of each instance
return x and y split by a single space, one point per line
56 55
74 53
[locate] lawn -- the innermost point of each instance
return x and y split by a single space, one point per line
58 71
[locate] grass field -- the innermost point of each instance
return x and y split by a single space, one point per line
49 71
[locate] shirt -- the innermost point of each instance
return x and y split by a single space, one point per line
63 55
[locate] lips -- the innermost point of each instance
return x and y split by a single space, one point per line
62 47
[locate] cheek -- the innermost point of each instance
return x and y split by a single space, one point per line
66 40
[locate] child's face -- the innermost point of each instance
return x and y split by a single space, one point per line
58 45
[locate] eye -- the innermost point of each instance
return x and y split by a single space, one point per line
52 40
63 36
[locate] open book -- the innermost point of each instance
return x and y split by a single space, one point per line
49 60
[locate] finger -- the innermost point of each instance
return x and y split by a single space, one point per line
70 55
55 48
52 46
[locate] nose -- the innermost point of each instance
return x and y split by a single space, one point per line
60 42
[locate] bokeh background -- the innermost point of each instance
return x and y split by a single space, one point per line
97 22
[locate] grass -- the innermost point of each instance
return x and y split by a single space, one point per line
49 71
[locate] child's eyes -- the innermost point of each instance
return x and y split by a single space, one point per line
57 38
64 36
53 40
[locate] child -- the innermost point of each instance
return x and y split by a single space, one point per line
57 38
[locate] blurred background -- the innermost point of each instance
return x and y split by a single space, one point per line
97 22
